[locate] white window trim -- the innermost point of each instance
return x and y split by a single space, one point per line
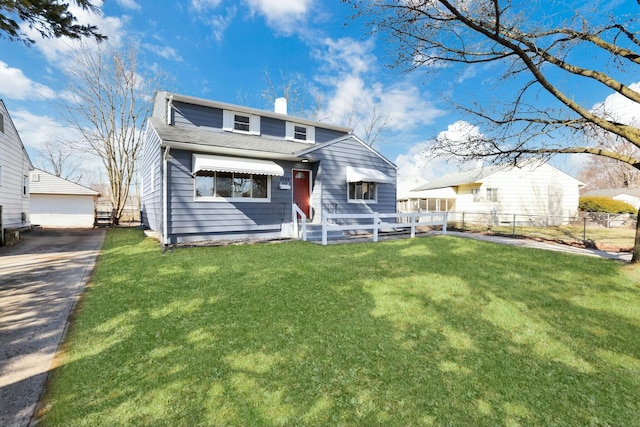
290 133
0 175
363 201
208 199
25 186
228 121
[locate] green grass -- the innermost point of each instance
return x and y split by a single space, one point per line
429 331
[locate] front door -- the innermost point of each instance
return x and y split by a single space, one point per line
302 190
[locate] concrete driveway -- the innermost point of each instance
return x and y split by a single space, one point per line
41 278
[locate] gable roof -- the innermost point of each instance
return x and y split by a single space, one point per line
42 182
216 141
612 192
24 150
476 176
351 136
466 177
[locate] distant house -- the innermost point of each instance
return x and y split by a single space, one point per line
433 200
628 195
533 189
14 179
57 202
214 171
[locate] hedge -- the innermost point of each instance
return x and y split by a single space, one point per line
604 204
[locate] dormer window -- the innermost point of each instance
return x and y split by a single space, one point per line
233 121
241 122
298 132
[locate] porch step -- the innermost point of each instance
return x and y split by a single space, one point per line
314 233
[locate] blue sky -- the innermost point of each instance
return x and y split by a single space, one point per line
220 49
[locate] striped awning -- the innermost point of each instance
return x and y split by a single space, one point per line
367 175
202 162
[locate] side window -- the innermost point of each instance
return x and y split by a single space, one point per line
367 191
25 185
492 194
1 123
475 192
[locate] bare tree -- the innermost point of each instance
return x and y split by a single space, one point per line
604 172
303 101
108 107
552 52
60 159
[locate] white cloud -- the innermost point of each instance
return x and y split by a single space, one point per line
619 108
165 52
129 4
347 68
281 15
204 5
19 86
35 130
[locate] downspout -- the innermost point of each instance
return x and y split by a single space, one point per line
169 109
165 200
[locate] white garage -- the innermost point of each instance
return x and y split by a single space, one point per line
59 203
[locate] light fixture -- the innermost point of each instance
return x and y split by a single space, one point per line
305 160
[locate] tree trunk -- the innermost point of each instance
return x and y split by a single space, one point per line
635 258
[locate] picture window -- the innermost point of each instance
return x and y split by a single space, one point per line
367 191
211 185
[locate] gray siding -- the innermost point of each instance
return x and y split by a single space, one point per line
151 200
196 115
331 190
192 220
272 127
14 166
326 135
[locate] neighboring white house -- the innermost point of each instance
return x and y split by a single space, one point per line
533 189
436 200
629 195
57 202
14 179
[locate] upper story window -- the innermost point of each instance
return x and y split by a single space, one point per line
302 133
25 185
1 123
239 122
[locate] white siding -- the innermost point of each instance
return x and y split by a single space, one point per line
67 211
15 165
542 190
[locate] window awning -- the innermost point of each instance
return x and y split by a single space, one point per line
203 162
367 175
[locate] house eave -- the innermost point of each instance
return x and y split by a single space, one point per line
237 152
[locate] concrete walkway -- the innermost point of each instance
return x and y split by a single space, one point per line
549 246
41 279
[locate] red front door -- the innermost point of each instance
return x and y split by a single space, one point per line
302 190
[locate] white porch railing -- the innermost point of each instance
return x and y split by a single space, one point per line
295 211
416 219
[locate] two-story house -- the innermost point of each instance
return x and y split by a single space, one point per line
217 171
14 179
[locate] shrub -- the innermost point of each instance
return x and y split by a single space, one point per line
604 204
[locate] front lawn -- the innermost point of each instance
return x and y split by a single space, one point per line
428 331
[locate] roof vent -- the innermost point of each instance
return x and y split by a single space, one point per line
280 106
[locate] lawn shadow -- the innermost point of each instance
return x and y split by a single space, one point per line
426 331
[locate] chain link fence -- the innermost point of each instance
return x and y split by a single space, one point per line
602 230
